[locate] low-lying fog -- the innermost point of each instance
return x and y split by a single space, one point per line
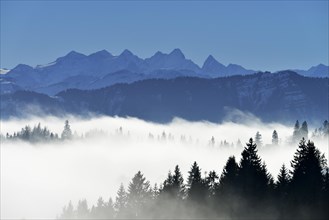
37 180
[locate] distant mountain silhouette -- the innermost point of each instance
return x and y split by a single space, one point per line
101 69
315 71
283 97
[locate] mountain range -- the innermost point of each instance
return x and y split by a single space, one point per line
102 69
281 97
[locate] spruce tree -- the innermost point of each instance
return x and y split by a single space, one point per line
283 182
168 185
296 134
196 185
109 209
253 177
68 212
227 193
67 133
120 204
304 130
307 179
258 139
172 194
275 138
228 179
197 192
174 184
139 196
102 210
82 211
211 182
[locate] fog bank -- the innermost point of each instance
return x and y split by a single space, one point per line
38 179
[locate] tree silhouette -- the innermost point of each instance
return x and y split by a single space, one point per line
296 134
167 184
304 130
244 191
102 210
258 139
253 178
139 196
174 184
227 191
172 194
109 209
275 138
67 212
228 179
120 204
282 191
325 194
283 182
26 133
67 133
196 185
82 210
325 128
211 182
197 191
307 178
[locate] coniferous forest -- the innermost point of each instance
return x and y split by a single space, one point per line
242 190
147 109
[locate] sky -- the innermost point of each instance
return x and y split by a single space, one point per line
271 35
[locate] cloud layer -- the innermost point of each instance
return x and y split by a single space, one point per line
38 179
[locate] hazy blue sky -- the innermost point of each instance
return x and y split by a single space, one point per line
258 35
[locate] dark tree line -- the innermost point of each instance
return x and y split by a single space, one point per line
244 190
39 134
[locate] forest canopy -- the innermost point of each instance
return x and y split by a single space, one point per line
244 190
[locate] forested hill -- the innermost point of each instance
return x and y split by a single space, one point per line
284 96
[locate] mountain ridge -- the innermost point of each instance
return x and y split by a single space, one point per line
67 71
281 97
